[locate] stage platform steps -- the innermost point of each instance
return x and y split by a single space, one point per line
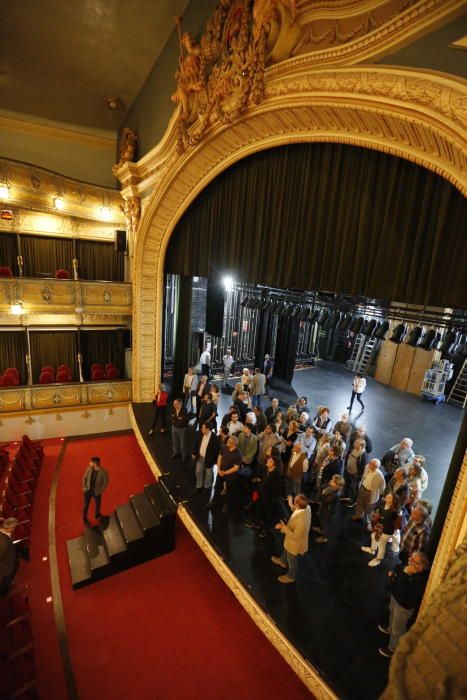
137 531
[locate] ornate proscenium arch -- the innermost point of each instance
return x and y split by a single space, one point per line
412 114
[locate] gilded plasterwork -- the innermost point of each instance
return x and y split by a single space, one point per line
38 188
62 395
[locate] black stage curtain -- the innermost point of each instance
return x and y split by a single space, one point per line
13 349
182 349
54 348
43 256
102 347
329 217
8 251
286 349
99 261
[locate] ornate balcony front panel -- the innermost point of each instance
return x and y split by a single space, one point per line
52 296
41 397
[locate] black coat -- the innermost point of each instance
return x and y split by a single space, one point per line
334 467
212 450
180 420
270 487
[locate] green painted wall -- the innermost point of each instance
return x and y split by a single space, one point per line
150 113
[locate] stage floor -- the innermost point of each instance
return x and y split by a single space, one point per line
331 614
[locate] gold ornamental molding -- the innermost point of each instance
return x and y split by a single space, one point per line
57 133
304 670
42 398
417 115
35 188
42 223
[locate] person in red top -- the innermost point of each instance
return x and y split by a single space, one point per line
160 409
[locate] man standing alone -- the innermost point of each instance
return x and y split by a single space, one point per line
258 387
227 361
358 387
95 481
268 367
205 361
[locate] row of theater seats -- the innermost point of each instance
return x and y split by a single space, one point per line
59 274
11 376
19 478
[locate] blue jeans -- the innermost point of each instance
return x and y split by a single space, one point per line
179 441
256 400
291 561
398 621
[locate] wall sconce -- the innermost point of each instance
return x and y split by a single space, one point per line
4 191
58 417
30 420
110 412
59 203
86 414
16 308
105 211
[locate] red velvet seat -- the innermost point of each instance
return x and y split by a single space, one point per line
67 368
5 271
46 378
48 368
96 365
62 274
97 374
13 371
63 376
112 373
109 365
8 380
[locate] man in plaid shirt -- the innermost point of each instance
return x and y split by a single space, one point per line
416 534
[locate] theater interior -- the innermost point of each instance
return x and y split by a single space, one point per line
185 179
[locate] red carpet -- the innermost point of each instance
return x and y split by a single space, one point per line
166 630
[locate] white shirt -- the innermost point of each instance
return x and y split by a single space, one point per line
204 445
205 358
359 384
228 361
374 482
234 427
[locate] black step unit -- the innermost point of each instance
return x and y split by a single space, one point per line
113 536
129 524
136 532
80 568
144 512
96 548
160 499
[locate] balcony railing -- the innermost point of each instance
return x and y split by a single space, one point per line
26 398
65 296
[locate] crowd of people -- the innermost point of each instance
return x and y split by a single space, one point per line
295 461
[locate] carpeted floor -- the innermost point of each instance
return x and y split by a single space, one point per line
164 630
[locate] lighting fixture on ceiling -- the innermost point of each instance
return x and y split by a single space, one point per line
114 104
59 203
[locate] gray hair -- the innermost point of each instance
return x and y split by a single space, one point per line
376 461
409 441
234 439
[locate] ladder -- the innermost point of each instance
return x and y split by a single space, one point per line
458 394
362 355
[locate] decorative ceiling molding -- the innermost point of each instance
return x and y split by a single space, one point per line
56 133
37 188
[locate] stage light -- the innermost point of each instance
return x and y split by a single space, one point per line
4 192
228 283
59 203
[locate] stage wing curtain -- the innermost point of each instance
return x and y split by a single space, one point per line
286 348
182 350
102 347
54 348
331 217
43 256
99 261
8 251
13 348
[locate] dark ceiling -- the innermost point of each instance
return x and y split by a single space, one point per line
60 59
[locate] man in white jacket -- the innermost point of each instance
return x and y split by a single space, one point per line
358 387
296 533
